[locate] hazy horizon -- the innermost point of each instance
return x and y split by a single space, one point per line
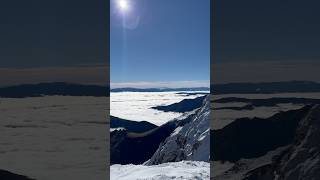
274 41
54 41
162 84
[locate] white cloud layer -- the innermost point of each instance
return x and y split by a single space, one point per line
137 106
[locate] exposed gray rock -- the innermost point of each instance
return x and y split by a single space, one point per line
188 142
303 159
299 160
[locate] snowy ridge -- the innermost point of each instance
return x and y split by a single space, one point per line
183 170
117 129
190 142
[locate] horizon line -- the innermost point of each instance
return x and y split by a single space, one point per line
161 84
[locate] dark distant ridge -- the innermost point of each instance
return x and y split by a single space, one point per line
192 93
268 102
6 175
182 106
159 89
54 88
266 87
131 126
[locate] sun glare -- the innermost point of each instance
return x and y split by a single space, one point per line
123 5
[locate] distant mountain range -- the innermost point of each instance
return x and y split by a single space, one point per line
159 89
266 87
54 88
241 88
267 102
69 89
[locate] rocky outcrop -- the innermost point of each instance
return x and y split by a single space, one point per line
299 160
6 175
254 137
302 161
188 142
136 148
131 126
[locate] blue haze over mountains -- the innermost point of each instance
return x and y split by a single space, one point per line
70 89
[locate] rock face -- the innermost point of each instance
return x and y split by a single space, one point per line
299 160
136 148
302 161
254 137
188 142
6 175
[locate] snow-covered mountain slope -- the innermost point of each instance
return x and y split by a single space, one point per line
188 142
303 159
183 170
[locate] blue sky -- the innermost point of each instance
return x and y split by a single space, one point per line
161 41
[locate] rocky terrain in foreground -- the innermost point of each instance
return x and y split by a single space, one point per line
183 170
188 142
297 157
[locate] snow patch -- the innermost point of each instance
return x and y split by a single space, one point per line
176 131
183 170
117 129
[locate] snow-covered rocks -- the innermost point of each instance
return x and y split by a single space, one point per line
183 170
303 159
183 154
188 142
298 160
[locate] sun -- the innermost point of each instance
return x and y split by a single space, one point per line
123 5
